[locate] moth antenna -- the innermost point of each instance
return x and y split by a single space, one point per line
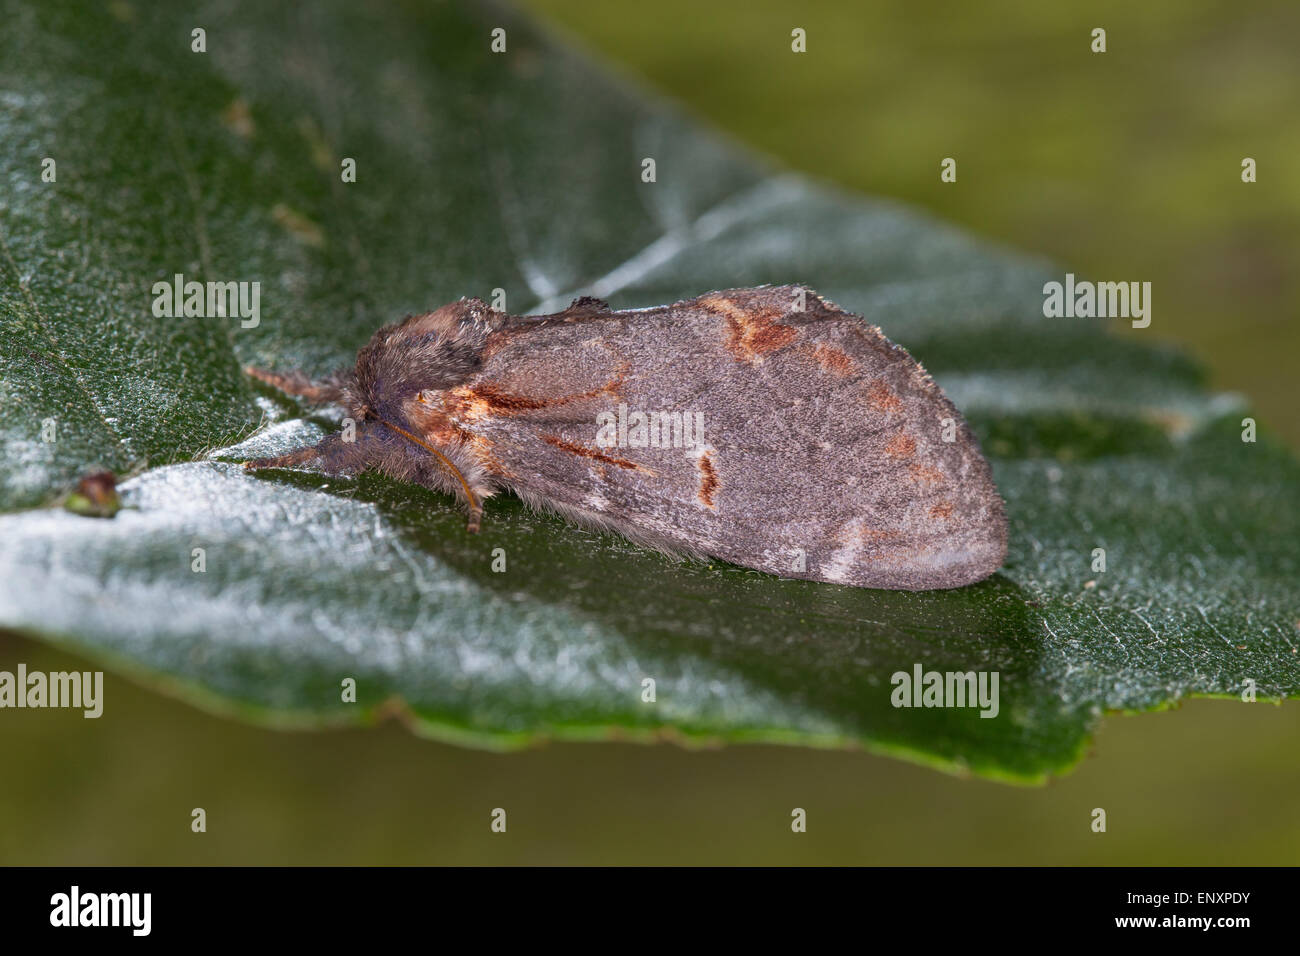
475 507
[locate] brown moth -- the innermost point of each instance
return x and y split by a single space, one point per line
762 426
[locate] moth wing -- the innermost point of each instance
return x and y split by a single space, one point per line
762 426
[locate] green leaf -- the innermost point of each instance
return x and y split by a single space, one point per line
521 171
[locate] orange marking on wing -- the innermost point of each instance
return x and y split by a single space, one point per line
503 402
834 360
475 402
901 445
437 427
583 452
709 483
925 473
854 533
751 333
942 510
486 454
882 399
433 423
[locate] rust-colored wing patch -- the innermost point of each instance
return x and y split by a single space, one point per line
882 398
924 473
834 360
901 445
583 452
942 511
487 399
709 483
751 331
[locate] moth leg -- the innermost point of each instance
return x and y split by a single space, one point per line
436 476
451 469
475 516
335 456
396 452
298 383
299 456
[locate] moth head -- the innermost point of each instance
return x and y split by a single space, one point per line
434 351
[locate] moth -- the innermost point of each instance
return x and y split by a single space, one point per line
762 426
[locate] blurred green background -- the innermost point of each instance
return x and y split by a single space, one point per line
1123 165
